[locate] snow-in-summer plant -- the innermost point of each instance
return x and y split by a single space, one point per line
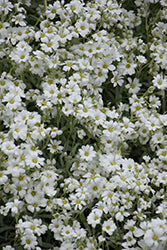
83 124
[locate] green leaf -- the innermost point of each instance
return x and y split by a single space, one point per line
6 228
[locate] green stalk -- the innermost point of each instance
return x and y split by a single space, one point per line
45 4
163 101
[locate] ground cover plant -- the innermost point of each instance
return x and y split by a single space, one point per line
83 122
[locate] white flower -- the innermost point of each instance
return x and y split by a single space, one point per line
29 241
8 247
162 153
154 101
35 199
63 202
121 214
133 86
35 161
70 65
50 45
56 225
15 206
54 146
74 98
33 226
84 111
87 153
130 240
163 119
52 10
151 238
19 130
81 133
3 178
94 217
163 3
74 6
141 59
109 226
160 82
68 232
130 225
8 147
99 117
14 101
19 19
77 202
110 162
101 238
117 79
66 246
19 56
127 67
82 27
5 6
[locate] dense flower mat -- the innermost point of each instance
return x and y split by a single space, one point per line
83 122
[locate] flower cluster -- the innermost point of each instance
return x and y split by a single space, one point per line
83 123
